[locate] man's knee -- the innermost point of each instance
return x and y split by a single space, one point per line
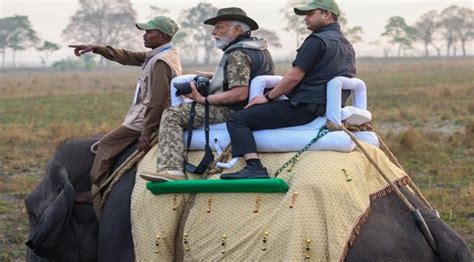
169 113
175 113
236 119
108 138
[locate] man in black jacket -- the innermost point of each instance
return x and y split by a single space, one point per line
324 54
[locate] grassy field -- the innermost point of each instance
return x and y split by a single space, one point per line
424 109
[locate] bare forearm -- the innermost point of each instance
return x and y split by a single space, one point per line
235 95
288 82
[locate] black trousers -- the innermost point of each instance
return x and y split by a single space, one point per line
267 116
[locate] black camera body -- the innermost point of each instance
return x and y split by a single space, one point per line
202 86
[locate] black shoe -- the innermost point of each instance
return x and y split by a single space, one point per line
249 172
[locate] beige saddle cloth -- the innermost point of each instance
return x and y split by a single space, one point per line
317 219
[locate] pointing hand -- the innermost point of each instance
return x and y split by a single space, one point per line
82 49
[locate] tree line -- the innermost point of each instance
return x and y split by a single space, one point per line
108 22
17 34
450 27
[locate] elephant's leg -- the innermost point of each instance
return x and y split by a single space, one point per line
115 231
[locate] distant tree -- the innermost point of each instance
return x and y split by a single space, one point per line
4 35
381 46
106 22
450 23
17 34
198 35
186 46
426 27
156 11
294 23
47 48
354 34
465 28
399 33
271 37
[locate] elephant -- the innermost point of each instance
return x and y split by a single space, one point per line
64 228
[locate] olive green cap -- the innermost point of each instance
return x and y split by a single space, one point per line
232 14
328 5
162 23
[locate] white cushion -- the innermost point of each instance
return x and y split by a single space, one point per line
368 137
286 139
355 116
334 93
177 100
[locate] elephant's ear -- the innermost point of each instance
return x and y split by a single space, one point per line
49 207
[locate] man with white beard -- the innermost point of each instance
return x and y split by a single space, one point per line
244 58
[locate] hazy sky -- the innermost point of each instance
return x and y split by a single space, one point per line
50 17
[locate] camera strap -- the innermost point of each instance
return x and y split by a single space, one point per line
208 157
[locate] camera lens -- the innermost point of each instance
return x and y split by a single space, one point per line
182 88
202 84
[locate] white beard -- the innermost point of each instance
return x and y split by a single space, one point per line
223 42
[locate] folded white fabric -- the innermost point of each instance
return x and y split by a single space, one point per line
277 140
219 132
355 116
177 100
368 137
286 139
260 83
295 140
334 93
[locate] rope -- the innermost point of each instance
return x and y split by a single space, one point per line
416 213
117 174
190 203
212 168
95 147
394 160
384 147
371 160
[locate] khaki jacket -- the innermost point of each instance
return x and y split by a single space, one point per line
142 99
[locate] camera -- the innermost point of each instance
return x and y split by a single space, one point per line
202 86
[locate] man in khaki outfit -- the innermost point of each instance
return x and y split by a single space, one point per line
244 58
151 97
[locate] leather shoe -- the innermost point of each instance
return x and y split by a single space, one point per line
249 172
168 175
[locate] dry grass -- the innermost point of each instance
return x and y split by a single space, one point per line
424 108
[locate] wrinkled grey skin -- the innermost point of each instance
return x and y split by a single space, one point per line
86 241
389 234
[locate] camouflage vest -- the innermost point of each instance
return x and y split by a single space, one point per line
260 60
